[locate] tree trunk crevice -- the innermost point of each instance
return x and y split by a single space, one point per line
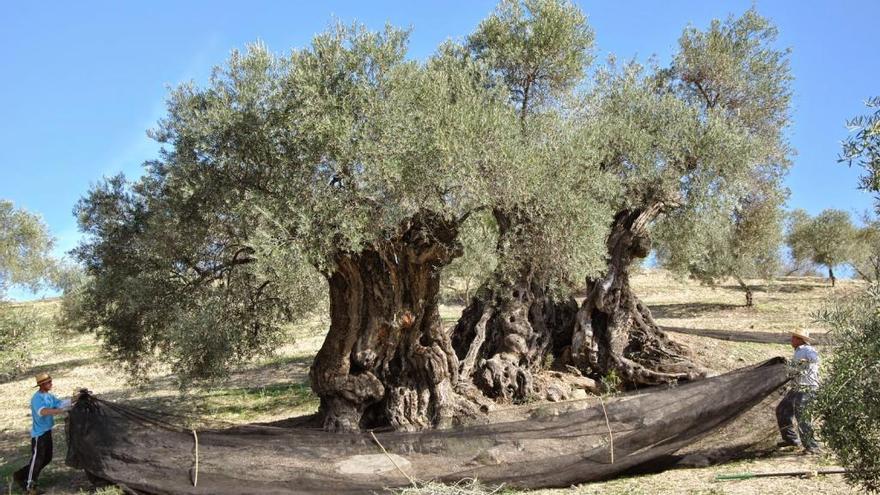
386 360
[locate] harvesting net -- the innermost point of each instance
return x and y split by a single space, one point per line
559 445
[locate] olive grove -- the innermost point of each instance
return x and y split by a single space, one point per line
345 172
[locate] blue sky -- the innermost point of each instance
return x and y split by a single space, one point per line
80 82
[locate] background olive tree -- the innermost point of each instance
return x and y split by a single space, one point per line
688 143
744 244
826 240
865 252
24 249
25 261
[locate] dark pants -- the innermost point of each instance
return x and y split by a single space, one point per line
41 456
794 409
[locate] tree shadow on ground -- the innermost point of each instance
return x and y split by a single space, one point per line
278 386
57 370
793 288
688 310
222 408
744 335
702 458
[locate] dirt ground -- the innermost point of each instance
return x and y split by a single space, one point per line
713 322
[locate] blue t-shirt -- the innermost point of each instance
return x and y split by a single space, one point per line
42 424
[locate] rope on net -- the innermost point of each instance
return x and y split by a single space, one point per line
196 468
390 458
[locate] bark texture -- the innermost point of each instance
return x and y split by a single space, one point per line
386 360
507 334
614 331
511 328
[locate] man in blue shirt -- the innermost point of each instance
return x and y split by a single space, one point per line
794 406
43 407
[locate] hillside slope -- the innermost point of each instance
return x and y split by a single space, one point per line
713 322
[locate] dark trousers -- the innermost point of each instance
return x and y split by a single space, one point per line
41 456
794 409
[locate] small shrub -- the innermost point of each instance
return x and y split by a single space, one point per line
611 383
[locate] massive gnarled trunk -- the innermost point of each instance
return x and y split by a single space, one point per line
506 334
386 359
614 330
510 327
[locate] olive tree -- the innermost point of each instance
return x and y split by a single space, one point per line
679 144
825 240
341 169
848 402
688 143
865 251
24 249
549 240
24 261
863 149
742 244
346 173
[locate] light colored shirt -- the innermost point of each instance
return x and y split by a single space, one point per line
40 401
806 367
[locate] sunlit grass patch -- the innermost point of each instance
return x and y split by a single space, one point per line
466 486
245 404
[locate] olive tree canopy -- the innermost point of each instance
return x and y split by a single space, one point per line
863 147
344 172
825 240
24 249
340 170
691 144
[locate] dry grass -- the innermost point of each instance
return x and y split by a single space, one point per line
277 387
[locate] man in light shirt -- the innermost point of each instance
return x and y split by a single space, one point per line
793 407
44 406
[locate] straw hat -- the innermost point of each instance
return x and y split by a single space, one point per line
802 334
42 378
